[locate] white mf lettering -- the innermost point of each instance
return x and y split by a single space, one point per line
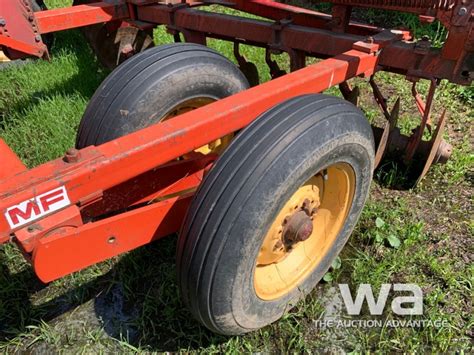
37 207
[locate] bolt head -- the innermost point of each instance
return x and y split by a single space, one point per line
2 21
38 38
72 155
462 11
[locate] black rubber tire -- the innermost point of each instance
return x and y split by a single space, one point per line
242 194
142 90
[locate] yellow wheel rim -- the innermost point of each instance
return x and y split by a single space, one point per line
217 146
304 231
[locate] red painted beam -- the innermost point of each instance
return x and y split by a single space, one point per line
79 16
112 163
23 47
299 16
9 162
71 249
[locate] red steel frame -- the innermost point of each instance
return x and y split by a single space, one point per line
76 245
132 190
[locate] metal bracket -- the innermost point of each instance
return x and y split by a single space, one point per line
276 45
390 125
19 32
424 109
171 9
349 93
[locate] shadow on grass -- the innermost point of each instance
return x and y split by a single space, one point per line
144 306
137 301
393 174
469 177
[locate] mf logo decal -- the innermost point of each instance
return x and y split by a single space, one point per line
37 207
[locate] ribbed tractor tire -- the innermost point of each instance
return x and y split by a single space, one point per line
308 137
144 89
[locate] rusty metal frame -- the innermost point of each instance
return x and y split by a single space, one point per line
401 57
297 31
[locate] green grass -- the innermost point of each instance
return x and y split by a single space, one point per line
131 303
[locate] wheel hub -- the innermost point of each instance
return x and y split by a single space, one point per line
303 231
291 228
298 229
